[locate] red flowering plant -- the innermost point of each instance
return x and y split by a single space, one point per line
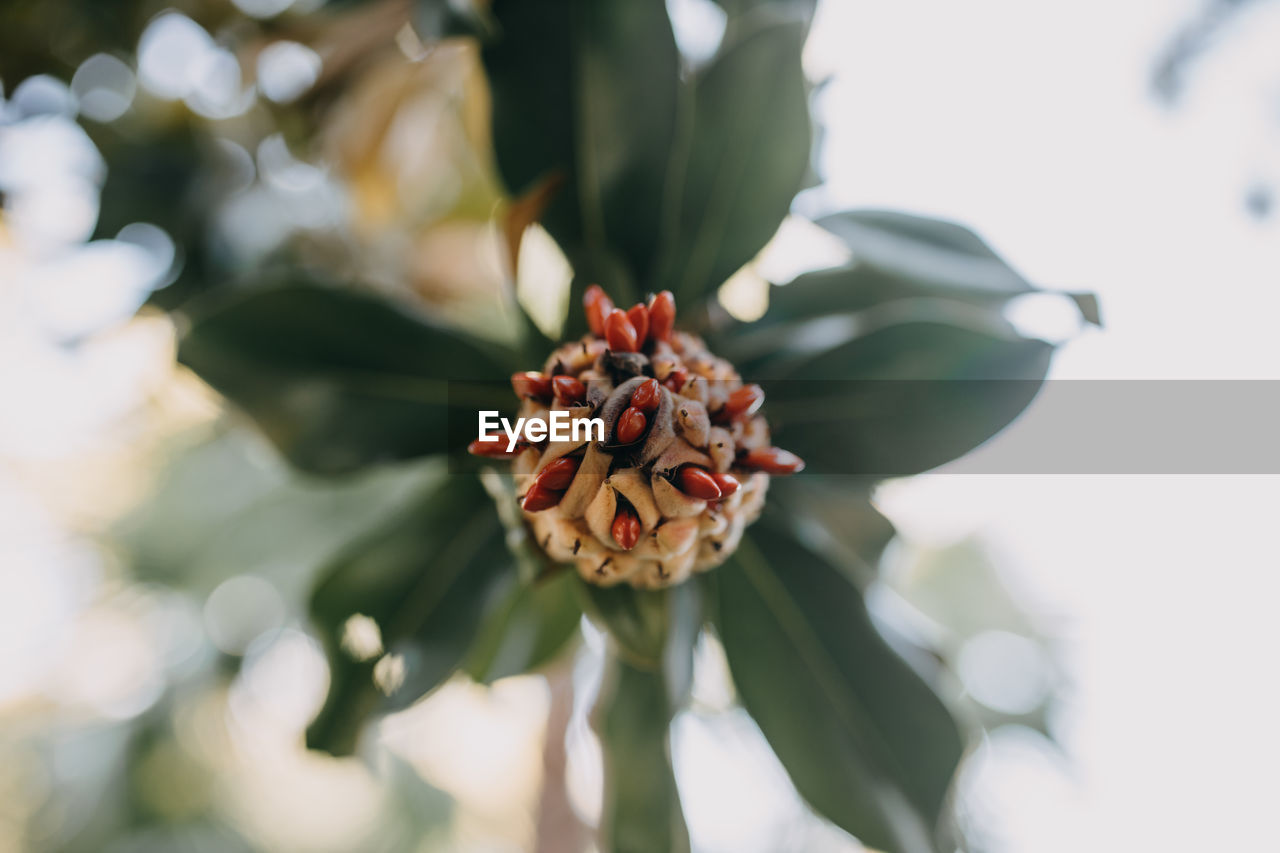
658 181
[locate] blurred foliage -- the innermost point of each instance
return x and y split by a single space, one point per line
344 275
1208 30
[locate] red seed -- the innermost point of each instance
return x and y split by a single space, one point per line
639 317
559 474
744 401
697 483
598 305
619 333
531 383
662 315
631 425
676 379
647 397
496 449
626 528
568 390
539 498
727 482
772 460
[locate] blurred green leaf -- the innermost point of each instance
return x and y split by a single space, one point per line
745 15
959 589
437 19
227 505
902 256
834 516
587 89
894 390
740 159
865 740
641 811
339 379
533 623
425 578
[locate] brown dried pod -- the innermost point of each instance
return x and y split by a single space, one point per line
659 434
669 491
589 480
634 486
621 366
697 388
674 503
693 422
722 447
676 536
679 453
653 574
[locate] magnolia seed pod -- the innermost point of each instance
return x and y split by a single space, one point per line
723 449
555 450
661 573
674 503
679 453
694 422
676 536
600 515
586 483
681 471
634 486
612 568
561 538
526 462
620 365
660 430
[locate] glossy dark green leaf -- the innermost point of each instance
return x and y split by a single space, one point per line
533 623
894 390
641 811
865 740
339 379
933 251
741 157
425 578
587 89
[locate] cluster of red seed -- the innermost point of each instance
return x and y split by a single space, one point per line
684 464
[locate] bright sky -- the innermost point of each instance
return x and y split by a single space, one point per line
1033 122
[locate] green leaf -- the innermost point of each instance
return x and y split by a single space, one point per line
865 740
892 392
740 159
438 19
834 516
533 624
641 811
226 506
587 89
340 379
901 256
425 578
934 252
